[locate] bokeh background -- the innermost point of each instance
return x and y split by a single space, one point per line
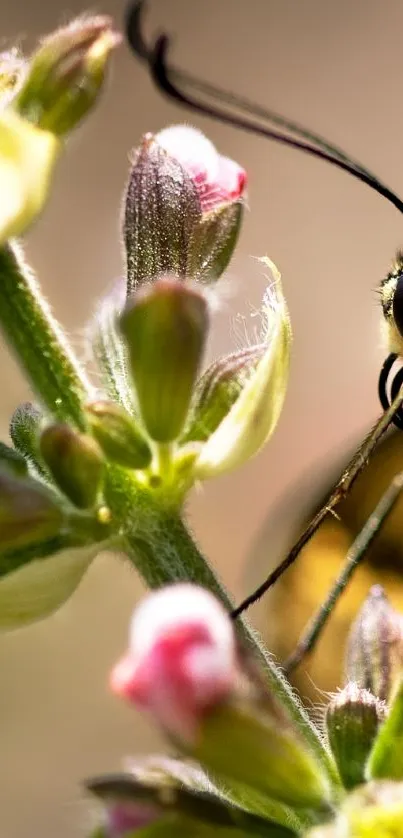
336 67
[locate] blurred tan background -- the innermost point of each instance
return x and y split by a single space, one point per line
336 67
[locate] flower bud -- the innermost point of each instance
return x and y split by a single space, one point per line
254 415
28 512
75 462
183 208
162 211
165 326
181 660
118 435
218 389
374 657
220 184
66 74
184 666
352 720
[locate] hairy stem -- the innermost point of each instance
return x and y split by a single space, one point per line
38 341
160 546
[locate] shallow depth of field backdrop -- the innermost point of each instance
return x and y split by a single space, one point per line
337 68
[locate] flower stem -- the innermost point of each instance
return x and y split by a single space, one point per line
162 549
38 341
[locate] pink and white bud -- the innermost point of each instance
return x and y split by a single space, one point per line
182 658
218 179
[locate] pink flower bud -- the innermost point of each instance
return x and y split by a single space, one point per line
182 658
218 179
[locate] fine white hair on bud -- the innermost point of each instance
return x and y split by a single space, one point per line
182 658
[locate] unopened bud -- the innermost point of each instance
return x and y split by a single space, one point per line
374 657
165 325
183 208
352 720
218 389
220 185
118 435
66 74
75 462
28 512
181 660
162 211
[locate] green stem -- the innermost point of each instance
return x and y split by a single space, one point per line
38 342
163 551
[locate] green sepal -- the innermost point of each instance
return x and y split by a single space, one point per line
352 720
218 389
75 462
257 750
43 579
165 326
214 241
118 435
108 347
386 759
161 213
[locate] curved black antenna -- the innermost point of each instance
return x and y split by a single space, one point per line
167 80
133 28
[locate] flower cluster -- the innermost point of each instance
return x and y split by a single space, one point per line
89 463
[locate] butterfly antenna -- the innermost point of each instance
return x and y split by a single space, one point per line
185 89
